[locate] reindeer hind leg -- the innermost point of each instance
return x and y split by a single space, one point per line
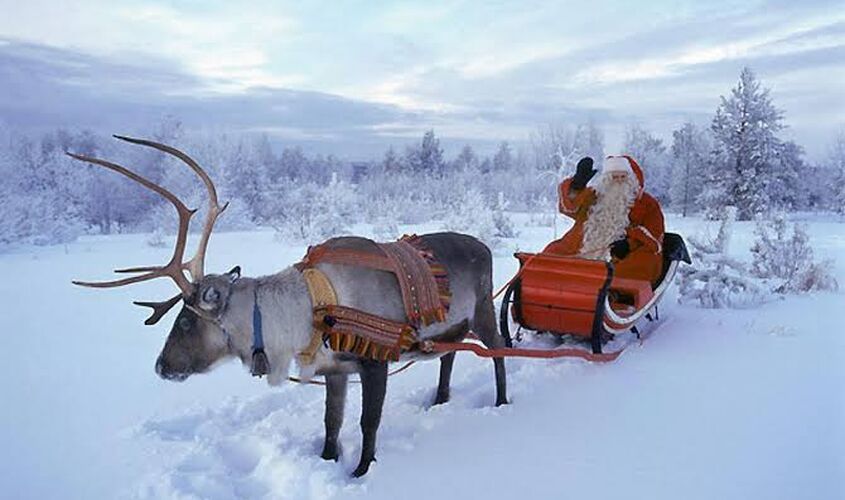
373 389
484 325
333 419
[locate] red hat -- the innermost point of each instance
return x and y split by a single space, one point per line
624 163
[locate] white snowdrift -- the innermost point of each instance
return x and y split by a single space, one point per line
717 404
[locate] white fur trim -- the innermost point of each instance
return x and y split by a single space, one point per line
649 235
617 164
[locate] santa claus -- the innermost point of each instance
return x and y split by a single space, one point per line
614 219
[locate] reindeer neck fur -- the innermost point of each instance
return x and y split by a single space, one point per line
286 331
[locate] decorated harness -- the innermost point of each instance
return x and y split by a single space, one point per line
422 280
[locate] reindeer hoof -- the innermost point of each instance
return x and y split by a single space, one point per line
441 398
501 402
362 468
330 453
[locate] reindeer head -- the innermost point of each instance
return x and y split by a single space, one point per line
196 341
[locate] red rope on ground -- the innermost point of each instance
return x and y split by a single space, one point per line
317 382
502 352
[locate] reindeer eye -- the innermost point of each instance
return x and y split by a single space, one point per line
185 324
211 296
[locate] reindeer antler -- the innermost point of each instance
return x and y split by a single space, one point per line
196 264
176 266
159 308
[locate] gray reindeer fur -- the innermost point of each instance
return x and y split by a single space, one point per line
224 329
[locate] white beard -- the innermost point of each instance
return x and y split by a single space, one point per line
608 217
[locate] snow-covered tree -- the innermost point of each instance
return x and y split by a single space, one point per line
650 153
246 177
558 148
690 149
789 189
503 160
589 139
313 213
786 261
427 156
292 164
391 163
466 159
503 223
744 168
715 279
472 215
836 165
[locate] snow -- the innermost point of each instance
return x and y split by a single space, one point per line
728 404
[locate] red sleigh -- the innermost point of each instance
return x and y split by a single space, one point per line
579 297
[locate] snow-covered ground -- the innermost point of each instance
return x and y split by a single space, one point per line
718 404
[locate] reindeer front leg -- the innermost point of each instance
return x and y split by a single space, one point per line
373 388
335 402
446 363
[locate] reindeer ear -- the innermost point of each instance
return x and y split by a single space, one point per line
235 274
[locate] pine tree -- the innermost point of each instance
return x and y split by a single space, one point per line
744 168
466 159
836 164
503 160
650 153
293 164
391 163
789 189
589 140
716 280
427 157
690 148
503 223
786 261
246 177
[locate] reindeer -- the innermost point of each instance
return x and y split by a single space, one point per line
216 319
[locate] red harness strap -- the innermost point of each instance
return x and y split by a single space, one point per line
506 352
422 280
417 282
364 334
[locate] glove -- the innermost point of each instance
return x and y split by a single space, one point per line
620 248
583 173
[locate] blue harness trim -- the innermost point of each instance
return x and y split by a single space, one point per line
260 365
257 337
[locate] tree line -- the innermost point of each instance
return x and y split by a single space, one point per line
739 159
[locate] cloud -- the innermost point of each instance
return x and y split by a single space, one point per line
42 87
370 73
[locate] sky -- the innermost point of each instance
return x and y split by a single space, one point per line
352 77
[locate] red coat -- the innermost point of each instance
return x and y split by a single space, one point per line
644 233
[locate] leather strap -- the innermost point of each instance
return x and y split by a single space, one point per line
322 294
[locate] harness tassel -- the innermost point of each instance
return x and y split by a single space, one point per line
260 363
